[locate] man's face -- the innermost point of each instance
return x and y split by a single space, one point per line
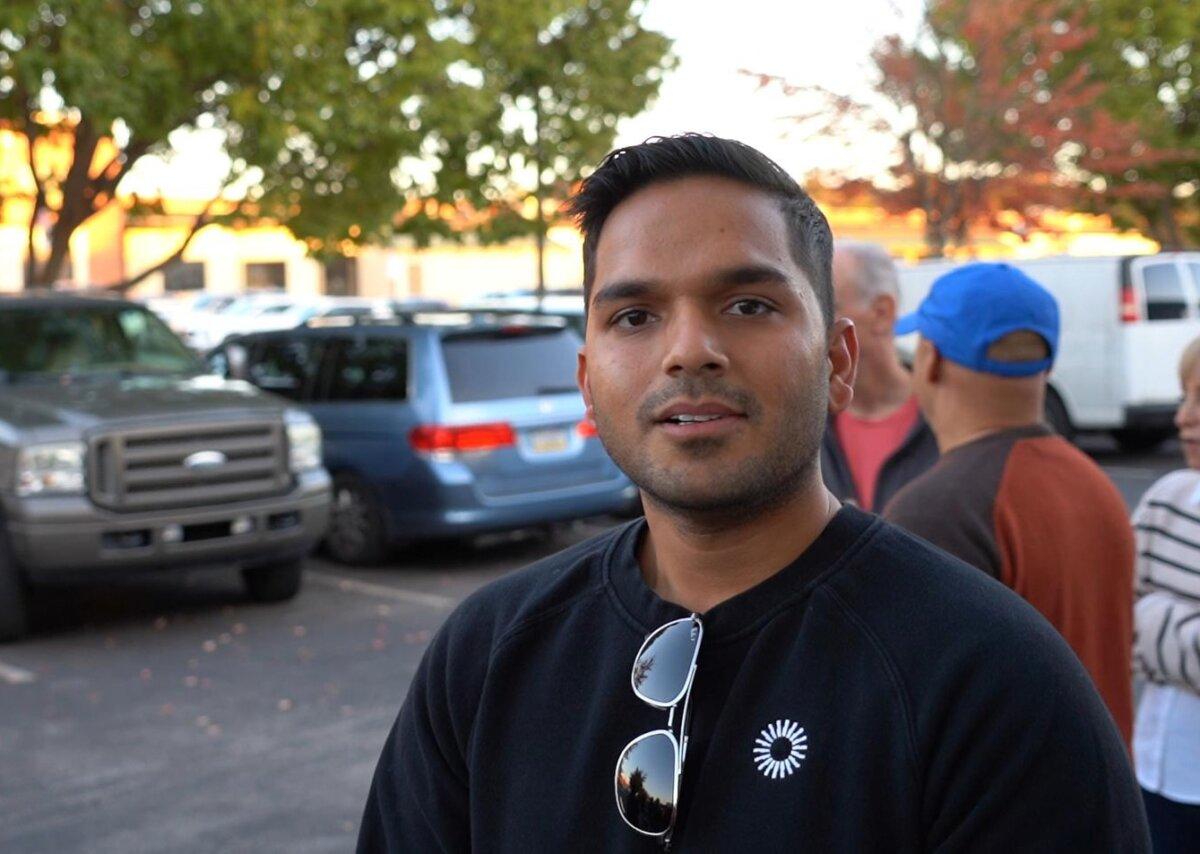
707 367
847 302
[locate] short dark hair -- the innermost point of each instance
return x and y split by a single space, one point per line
664 158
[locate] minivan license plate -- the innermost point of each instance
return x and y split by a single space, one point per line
549 441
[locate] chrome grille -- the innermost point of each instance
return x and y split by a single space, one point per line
144 469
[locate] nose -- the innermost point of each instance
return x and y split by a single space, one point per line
693 346
1186 413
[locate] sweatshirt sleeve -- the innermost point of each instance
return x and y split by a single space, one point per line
419 796
1026 757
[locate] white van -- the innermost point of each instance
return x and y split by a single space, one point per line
1125 322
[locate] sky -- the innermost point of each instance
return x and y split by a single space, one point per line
807 43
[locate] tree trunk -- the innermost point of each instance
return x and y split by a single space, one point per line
74 209
540 234
1167 226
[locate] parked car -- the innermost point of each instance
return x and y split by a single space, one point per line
267 312
186 311
567 304
447 426
1125 322
120 453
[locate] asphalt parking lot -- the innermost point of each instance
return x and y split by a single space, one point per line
169 714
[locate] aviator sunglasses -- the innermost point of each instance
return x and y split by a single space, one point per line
650 766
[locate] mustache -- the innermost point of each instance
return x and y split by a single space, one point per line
696 388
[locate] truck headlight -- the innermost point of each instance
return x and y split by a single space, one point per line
304 442
51 469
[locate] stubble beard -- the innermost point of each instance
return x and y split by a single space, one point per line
747 487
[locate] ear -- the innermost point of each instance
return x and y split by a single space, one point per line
843 363
883 313
928 362
581 378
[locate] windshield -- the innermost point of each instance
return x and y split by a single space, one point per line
90 340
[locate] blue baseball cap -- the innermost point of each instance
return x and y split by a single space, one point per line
972 307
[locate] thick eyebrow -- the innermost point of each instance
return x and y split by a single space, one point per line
752 274
746 274
622 290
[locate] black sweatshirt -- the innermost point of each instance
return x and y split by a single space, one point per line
940 712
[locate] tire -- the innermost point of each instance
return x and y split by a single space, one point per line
275 582
1140 441
356 534
14 596
1056 416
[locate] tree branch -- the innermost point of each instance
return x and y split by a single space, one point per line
202 220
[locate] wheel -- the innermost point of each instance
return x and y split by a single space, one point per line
1139 441
356 530
1056 415
275 582
14 596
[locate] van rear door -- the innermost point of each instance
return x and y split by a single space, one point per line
1161 316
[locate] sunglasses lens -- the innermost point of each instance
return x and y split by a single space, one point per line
661 670
646 783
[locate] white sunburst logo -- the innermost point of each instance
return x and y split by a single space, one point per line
779 749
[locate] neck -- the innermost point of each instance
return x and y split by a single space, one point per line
699 563
882 385
956 434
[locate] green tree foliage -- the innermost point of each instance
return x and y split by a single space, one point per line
319 101
1151 47
557 79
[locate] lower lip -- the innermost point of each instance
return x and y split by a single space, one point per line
722 426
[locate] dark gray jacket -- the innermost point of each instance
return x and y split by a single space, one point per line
916 453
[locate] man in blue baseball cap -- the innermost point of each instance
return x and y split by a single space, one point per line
1009 496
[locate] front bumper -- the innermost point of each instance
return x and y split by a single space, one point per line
64 536
456 512
1155 416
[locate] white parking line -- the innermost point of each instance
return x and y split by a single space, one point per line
353 585
15 675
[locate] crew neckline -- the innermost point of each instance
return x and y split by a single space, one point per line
1008 434
623 577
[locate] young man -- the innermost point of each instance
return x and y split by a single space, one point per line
751 667
879 442
1008 495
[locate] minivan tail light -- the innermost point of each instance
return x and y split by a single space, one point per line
587 429
1130 313
435 438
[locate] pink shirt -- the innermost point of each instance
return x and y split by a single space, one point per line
867 444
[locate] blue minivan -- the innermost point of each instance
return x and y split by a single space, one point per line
443 425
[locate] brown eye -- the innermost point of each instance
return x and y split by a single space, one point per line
749 308
632 319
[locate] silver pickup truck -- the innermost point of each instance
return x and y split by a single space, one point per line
118 453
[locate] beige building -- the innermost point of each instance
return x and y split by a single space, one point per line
115 245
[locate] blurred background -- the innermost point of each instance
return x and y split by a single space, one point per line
350 215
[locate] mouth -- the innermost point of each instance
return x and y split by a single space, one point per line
699 419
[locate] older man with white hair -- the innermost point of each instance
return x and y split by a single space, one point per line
881 442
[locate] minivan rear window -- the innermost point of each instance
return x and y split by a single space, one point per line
499 364
1166 298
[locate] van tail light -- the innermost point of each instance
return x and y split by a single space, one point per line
587 429
437 438
1130 313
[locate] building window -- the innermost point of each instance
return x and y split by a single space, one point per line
269 275
183 276
341 277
